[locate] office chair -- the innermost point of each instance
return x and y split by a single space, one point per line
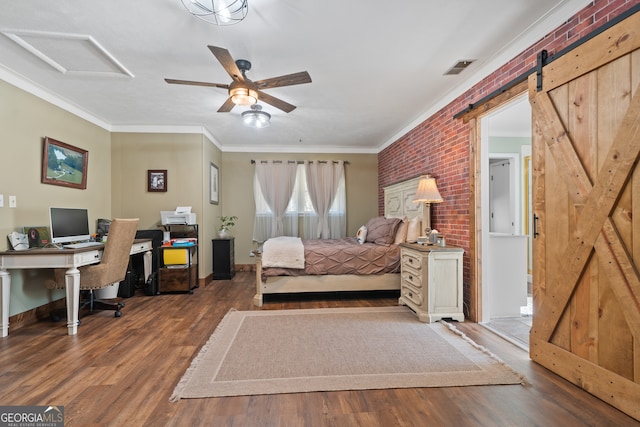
111 269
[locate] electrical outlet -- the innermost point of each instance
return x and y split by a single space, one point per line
1 200
12 201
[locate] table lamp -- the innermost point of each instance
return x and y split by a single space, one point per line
427 193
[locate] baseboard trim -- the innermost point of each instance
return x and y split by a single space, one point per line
37 314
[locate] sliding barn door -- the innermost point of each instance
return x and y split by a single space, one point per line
586 146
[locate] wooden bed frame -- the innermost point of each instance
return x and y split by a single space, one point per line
397 203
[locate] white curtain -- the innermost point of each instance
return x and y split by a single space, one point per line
273 184
277 216
323 179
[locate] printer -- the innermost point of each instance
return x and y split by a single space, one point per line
181 216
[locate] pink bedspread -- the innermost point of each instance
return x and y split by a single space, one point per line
343 256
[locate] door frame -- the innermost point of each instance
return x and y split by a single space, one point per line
478 244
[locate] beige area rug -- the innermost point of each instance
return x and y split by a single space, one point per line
293 351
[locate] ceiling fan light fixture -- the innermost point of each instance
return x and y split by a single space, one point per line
243 96
256 118
218 12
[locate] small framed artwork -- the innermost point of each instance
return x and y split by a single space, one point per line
64 164
157 180
214 184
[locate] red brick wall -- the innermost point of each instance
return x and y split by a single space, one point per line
440 145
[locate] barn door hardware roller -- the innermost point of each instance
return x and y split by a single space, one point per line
542 61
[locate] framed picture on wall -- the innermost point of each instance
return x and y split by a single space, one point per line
64 164
214 184
157 180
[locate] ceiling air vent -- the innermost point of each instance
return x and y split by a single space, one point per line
459 66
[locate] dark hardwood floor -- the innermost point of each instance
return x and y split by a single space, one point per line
123 371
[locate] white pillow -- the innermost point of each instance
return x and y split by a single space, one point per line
401 234
413 230
361 235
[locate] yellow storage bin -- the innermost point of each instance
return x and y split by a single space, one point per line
176 256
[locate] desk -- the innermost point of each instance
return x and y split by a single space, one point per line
70 259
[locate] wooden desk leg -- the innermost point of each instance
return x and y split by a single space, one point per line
72 290
5 287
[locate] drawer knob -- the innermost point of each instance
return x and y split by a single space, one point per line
410 261
410 277
410 294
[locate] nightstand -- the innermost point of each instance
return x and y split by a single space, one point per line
431 281
223 258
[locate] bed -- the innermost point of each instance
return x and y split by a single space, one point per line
380 269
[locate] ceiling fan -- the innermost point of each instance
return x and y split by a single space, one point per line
243 91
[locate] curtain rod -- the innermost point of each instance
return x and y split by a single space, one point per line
346 162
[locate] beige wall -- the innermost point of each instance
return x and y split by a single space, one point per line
237 191
117 182
187 159
25 120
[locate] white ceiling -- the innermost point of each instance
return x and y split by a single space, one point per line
377 66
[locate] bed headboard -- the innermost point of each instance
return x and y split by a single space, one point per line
398 199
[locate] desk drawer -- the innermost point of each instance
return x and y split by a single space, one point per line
137 248
89 257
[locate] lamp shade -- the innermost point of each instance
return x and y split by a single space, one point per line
428 191
242 95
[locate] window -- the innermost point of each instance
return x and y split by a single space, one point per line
300 217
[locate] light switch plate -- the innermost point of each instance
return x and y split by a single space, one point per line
1 200
12 201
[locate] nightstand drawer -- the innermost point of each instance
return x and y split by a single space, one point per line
412 260
412 295
412 277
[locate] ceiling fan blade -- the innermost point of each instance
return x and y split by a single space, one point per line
227 106
227 62
192 83
278 103
288 80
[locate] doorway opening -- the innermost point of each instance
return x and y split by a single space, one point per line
506 221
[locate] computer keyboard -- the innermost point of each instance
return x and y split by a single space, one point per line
81 245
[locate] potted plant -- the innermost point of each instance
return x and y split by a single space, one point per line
226 222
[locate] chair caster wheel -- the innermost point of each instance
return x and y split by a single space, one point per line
117 314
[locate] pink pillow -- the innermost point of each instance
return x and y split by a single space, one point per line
382 230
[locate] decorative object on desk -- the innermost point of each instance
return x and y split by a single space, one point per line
427 193
157 180
227 222
102 229
214 184
38 236
64 164
18 241
326 349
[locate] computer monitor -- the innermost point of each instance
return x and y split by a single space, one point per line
69 225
